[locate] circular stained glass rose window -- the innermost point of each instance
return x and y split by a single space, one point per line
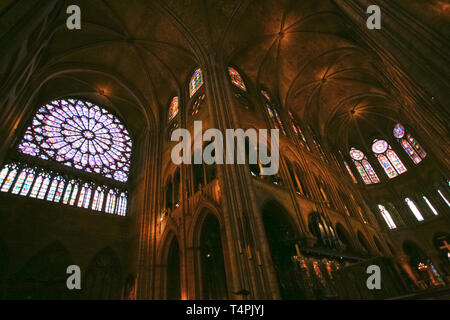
356 154
379 146
82 135
399 131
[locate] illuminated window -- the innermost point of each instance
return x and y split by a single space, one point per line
236 78
412 206
197 104
430 206
196 82
111 202
97 201
81 135
275 118
350 172
409 144
444 198
298 131
388 159
387 217
266 95
363 166
76 134
173 108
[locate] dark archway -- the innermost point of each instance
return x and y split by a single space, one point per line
282 237
103 276
378 245
214 283
43 277
364 243
173 271
344 238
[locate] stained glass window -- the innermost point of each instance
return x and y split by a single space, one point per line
20 181
4 173
265 94
82 135
97 201
28 182
44 186
414 209
350 172
410 151
68 192
196 105
173 108
388 159
110 202
298 131
9 179
36 186
85 196
122 206
409 144
387 217
236 78
275 118
73 197
196 82
363 166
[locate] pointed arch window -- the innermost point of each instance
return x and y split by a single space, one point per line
196 82
111 202
388 159
363 166
197 104
97 201
275 118
173 108
266 95
409 144
70 133
387 217
412 206
298 131
236 79
347 167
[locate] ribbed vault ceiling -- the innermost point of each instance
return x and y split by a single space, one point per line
305 52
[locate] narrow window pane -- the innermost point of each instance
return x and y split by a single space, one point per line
431 206
414 209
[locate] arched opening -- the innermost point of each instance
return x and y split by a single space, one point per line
103 276
422 266
441 242
43 277
169 192
364 243
173 271
378 245
214 284
321 228
344 238
282 238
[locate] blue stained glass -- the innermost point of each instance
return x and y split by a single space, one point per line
68 131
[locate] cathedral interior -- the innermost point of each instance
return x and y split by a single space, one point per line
87 178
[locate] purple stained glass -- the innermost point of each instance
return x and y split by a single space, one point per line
81 135
356 154
379 146
399 131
